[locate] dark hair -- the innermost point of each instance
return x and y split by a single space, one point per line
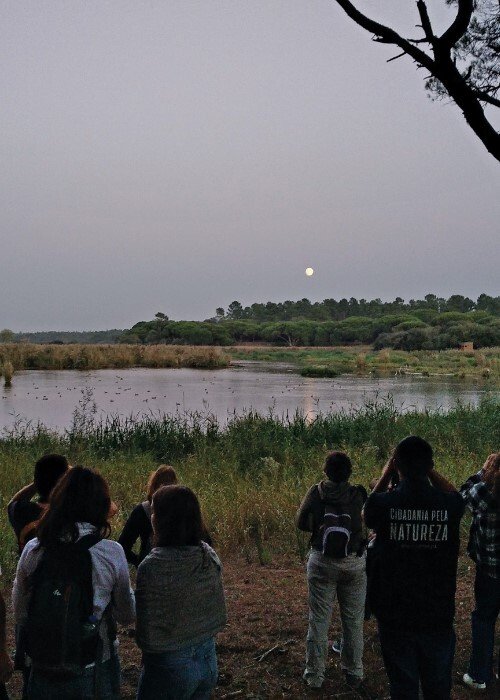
81 495
413 457
164 476
338 467
177 519
48 471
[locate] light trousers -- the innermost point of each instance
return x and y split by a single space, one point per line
329 580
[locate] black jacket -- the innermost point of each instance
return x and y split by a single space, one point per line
414 562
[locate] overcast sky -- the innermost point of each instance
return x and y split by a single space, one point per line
175 155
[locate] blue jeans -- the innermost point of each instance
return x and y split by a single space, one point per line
82 687
187 674
484 617
411 657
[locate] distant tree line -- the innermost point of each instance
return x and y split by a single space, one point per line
432 323
62 337
333 310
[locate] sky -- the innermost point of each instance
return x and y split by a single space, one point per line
176 155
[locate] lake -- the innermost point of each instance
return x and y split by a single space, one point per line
50 397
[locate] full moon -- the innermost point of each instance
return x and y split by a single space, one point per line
309 271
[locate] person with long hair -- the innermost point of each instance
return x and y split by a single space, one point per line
79 510
481 493
180 602
138 525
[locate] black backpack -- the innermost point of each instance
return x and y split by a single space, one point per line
340 520
62 636
336 531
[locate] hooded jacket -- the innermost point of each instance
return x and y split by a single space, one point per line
311 513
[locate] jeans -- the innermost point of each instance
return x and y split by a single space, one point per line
411 656
82 687
187 674
484 617
328 579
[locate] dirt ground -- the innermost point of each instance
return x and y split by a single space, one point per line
261 652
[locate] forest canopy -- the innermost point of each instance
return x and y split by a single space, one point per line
431 323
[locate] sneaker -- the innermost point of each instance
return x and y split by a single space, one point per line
468 680
337 645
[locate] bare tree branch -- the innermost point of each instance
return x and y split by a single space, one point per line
426 22
395 57
386 34
459 25
467 93
486 97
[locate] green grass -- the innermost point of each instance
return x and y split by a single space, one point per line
251 474
330 362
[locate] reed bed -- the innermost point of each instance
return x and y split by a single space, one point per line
251 473
330 362
88 357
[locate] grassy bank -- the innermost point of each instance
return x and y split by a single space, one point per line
363 360
252 474
310 362
86 357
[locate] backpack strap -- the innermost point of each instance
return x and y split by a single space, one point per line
87 541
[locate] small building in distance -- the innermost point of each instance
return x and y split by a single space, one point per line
467 346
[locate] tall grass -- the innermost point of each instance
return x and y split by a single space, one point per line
86 357
329 362
252 473
8 372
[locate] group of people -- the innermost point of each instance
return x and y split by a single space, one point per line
72 587
392 554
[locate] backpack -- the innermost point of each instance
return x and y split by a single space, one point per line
62 635
336 532
337 528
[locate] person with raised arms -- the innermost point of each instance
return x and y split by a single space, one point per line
414 571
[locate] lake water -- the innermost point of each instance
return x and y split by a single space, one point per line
51 397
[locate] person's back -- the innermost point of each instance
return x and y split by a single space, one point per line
415 554
194 607
180 602
414 568
138 525
336 568
481 493
79 509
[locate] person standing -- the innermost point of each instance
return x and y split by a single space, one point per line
6 665
413 582
481 493
24 513
180 603
336 568
72 584
138 525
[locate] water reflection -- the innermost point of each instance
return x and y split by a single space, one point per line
51 397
